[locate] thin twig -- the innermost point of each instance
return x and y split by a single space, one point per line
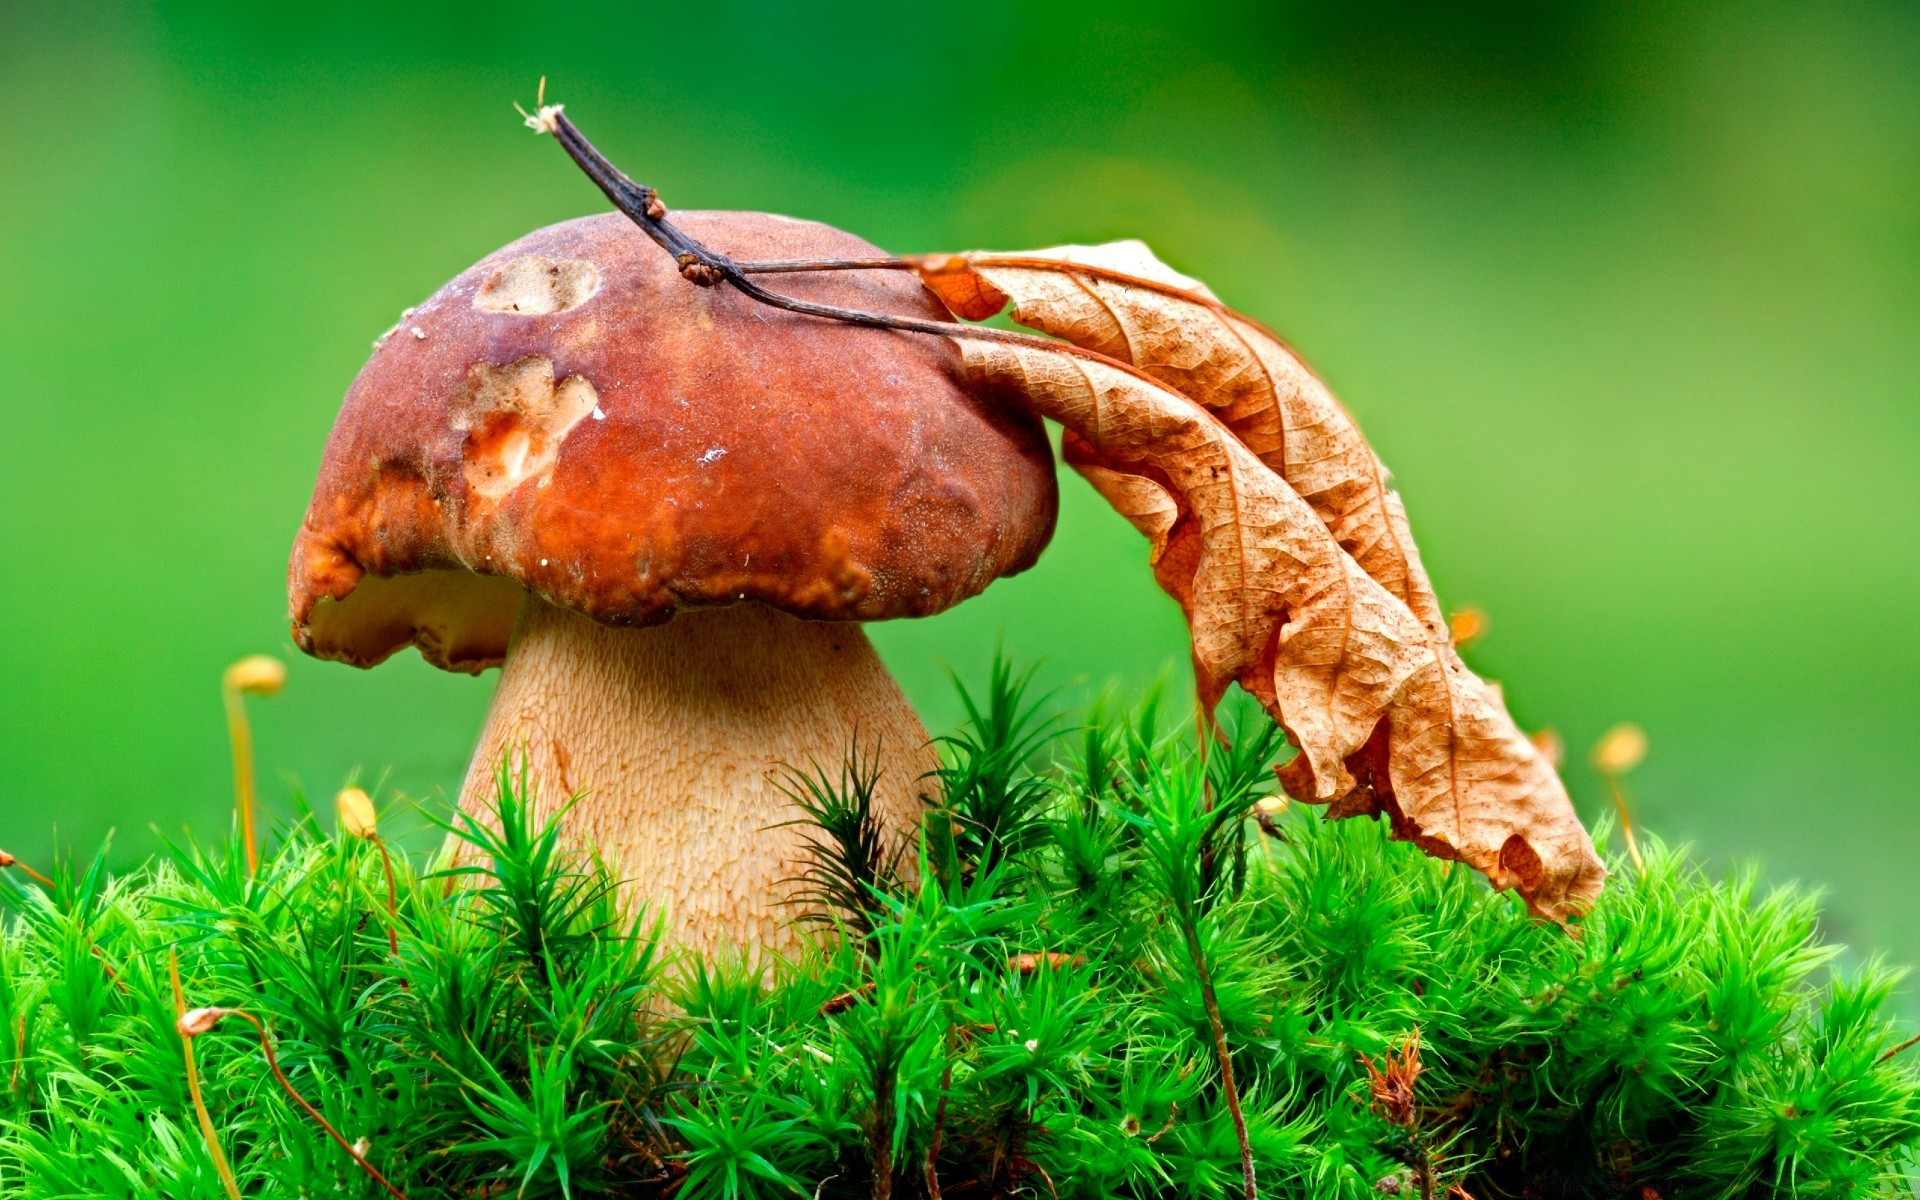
1036 262
202 1019
776 266
220 1165
706 267
934 264
1043 1174
1208 729
106 967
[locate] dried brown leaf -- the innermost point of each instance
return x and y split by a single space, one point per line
1121 301
1386 717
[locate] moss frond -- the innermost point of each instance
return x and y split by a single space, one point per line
1042 1014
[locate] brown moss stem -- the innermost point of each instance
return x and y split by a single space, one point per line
8 860
939 1125
200 1020
1229 1090
1626 820
1909 1044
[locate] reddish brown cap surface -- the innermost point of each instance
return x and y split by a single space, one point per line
571 416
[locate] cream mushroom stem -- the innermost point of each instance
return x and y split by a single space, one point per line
677 737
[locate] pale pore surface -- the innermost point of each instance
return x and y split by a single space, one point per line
679 735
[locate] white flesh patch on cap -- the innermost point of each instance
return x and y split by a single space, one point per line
534 285
515 419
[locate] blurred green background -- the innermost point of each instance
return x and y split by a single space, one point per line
1627 294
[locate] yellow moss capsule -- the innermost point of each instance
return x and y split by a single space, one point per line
258 674
355 810
198 1021
1620 750
1466 626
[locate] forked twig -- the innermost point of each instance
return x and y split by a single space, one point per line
701 265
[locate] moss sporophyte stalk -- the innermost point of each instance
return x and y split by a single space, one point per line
1023 1013
254 675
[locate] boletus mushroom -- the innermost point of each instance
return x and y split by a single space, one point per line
664 511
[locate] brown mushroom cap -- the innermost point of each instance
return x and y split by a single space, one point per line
572 417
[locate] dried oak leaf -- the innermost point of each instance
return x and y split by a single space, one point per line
1386 717
1120 300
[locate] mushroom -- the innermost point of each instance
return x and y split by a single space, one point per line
664 511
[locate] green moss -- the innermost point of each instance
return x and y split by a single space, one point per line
529 1038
